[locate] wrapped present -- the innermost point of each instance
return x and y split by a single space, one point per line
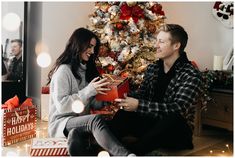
19 124
118 85
49 147
46 90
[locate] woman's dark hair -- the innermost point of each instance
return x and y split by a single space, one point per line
78 43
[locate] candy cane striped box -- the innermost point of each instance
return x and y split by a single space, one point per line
49 147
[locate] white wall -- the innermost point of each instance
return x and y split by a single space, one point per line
59 20
207 36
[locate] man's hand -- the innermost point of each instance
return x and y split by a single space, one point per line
128 103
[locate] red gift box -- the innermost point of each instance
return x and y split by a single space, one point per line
46 90
49 147
118 85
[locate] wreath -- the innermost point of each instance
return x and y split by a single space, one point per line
223 11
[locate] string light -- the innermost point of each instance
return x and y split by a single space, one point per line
222 152
27 146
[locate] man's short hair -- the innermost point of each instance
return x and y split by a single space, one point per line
178 34
19 41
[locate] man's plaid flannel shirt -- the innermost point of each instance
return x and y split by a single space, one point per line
181 93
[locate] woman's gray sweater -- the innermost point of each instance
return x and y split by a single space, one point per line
64 89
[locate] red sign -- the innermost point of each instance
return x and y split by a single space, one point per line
18 125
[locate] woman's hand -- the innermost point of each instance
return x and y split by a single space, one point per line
99 85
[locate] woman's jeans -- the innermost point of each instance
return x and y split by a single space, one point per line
77 128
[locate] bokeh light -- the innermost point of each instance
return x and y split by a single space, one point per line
78 106
11 22
103 154
44 59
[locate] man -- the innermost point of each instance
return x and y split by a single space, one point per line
16 65
161 112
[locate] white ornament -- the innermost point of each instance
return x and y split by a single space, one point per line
133 27
124 54
135 49
113 10
150 14
114 45
95 20
108 29
105 61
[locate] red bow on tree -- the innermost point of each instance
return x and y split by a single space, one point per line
127 12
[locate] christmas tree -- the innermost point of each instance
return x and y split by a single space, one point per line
127 31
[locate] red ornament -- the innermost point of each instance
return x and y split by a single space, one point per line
124 74
112 55
110 67
125 12
119 26
100 70
103 51
135 12
157 9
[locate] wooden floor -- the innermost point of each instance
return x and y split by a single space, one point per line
217 142
212 142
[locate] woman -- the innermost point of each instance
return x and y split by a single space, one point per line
75 77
